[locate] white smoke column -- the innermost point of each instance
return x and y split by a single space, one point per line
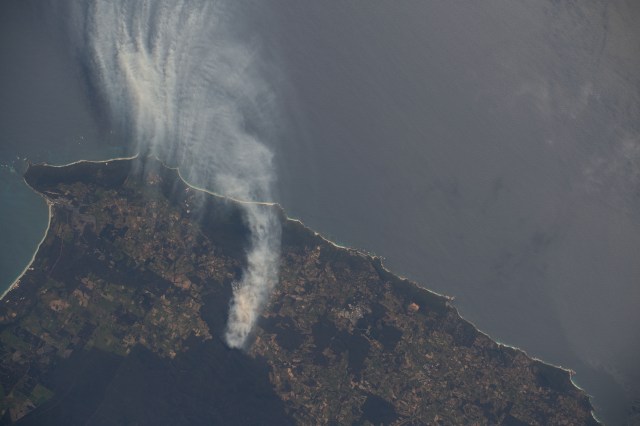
173 74
259 278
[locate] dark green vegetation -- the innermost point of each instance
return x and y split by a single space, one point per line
120 320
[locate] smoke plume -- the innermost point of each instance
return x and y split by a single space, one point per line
175 77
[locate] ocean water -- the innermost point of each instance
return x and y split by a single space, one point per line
489 150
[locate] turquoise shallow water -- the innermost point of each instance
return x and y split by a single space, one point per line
24 220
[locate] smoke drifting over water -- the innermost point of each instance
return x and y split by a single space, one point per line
175 78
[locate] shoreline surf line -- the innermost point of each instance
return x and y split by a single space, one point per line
16 282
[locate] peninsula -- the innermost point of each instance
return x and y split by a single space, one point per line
120 320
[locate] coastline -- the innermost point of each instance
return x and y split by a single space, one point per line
16 282
108 160
216 194
450 299
372 257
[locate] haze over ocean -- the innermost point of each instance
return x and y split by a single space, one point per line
180 83
489 150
